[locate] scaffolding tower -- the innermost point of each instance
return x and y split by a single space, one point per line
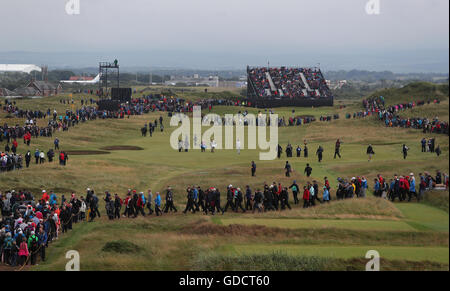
103 71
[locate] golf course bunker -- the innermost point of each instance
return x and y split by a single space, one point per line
87 153
122 148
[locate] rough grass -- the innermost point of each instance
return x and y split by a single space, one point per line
436 254
369 207
334 236
280 261
276 261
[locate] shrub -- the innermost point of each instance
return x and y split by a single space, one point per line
121 246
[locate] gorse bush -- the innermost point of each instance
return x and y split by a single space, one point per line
121 247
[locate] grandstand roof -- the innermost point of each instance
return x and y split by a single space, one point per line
19 68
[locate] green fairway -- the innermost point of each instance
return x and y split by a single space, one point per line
323 223
440 255
425 217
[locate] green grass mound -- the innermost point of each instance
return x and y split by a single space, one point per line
438 199
276 261
121 247
413 92
370 208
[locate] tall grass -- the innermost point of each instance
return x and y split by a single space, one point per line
276 261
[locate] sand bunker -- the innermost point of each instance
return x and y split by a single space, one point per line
85 153
122 148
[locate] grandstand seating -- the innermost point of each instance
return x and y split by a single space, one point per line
286 83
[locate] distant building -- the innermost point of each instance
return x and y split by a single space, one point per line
196 80
336 84
26 91
233 84
40 88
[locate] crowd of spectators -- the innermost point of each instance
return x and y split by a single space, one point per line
29 226
405 187
390 115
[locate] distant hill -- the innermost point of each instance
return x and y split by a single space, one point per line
413 92
374 76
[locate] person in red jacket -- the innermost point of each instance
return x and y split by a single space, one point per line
402 187
140 205
128 211
14 146
27 138
45 196
305 197
61 158
381 179
327 183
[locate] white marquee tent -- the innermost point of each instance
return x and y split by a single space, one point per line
19 68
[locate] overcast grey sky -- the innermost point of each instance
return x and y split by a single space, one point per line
247 27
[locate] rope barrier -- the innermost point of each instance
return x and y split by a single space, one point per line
28 258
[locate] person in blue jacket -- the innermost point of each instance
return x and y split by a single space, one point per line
42 241
47 228
36 156
377 188
195 190
158 204
364 187
412 187
53 199
326 194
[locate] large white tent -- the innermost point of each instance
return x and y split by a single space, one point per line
19 68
